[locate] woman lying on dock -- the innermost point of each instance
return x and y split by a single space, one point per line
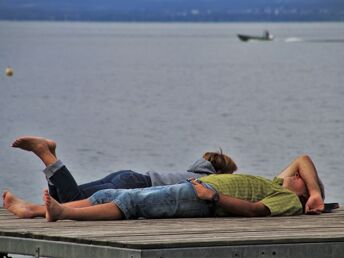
296 190
63 187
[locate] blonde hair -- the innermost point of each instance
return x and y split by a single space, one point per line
221 162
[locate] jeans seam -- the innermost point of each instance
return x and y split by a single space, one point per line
122 207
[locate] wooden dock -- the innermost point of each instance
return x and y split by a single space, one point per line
299 236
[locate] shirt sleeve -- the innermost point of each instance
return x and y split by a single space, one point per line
278 180
284 203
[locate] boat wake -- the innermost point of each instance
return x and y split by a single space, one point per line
293 39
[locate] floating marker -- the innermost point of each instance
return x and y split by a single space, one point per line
9 71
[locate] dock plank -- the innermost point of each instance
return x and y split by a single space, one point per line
185 234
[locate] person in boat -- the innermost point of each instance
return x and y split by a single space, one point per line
267 34
296 190
64 188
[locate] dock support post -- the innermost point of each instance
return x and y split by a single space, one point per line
37 252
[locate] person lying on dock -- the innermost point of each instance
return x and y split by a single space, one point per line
63 187
295 191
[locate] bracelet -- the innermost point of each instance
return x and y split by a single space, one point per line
215 198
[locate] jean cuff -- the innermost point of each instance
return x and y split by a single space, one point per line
50 170
94 201
210 187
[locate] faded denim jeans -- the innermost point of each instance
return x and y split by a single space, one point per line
169 201
63 187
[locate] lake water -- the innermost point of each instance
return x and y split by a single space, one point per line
156 96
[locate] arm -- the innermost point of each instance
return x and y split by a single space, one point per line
303 165
231 204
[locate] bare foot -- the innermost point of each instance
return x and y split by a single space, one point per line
35 144
17 206
54 210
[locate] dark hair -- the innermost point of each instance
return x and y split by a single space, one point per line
303 199
221 162
322 188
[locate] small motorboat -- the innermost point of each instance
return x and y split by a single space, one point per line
266 36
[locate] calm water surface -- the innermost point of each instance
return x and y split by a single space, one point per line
156 96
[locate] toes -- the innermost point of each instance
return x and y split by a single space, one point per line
18 142
4 195
46 196
15 143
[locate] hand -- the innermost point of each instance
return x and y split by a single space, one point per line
202 192
314 205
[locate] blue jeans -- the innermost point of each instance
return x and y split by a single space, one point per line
168 201
63 187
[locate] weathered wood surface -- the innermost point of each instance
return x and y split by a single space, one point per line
179 233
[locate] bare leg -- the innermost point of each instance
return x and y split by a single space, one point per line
42 147
25 210
22 208
63 186
56 211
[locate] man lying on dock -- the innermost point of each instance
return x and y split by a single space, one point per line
296 190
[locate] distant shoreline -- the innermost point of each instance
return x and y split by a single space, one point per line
171 21
174 10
